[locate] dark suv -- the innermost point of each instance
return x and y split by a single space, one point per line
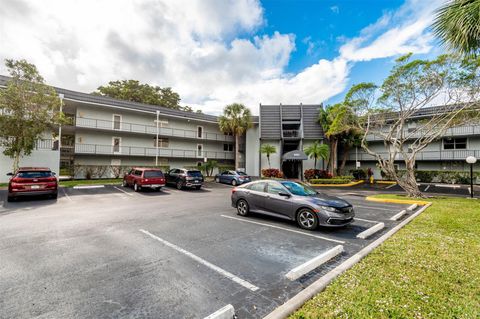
32 181
139 178
182 177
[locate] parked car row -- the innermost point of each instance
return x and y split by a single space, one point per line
282 198
139 178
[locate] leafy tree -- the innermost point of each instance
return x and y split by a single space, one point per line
457 24
133 90
28 109
337 120
208 167
385 112
316 151
268 150
236 119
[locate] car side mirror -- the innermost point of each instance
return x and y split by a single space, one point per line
284 194
53 173
9 174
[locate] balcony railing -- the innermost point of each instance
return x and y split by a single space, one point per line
448 155
290 133
454 131
149 151
149 129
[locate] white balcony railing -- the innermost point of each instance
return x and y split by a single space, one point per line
149 129
149 151
455 155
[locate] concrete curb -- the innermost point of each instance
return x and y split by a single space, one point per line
396 201
298 300
412 207
310 265
399 215
370 231
337 185
227 312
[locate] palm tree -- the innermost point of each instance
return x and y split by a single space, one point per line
457 24
268 149
316 151
236 119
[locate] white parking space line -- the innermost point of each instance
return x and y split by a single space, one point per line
66 195
426 188
129 194
283 228
227 312
372 230
88 186
313 263
222 272
390 186
367 220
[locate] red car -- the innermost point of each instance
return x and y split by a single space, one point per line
32 181
139 178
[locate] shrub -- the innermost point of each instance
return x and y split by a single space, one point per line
316 173
448 177
358 173
272 172
336 180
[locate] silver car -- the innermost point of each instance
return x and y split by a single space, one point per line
292 200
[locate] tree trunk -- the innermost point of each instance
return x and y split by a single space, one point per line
344 160
315 163
16 161
409 184
268 159
237 153
333 157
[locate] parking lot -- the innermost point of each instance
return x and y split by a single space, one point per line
110 252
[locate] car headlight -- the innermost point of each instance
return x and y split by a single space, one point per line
329 209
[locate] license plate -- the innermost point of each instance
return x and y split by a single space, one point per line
196 181
35 186
156 185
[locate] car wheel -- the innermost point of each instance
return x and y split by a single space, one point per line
54 196
307 219
217 179
158 189
179 185
10 199
242 207
124 183
234 182
136 187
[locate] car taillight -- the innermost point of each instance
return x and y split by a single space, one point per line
234 190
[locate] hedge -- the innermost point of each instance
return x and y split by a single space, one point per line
336 180
449 177
106 171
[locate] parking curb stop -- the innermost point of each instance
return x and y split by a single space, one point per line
227 312
399 215
370 231
310 265
412 207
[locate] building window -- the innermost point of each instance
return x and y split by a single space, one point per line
117 120
199 150
162 142
451 143
117 141
199 131
227 147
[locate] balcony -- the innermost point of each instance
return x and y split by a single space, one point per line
149 151
454 131
449 155
149 129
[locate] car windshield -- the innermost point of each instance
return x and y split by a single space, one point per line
34 174
152 174
194 173
241 173
299 189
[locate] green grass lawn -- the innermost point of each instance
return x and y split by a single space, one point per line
429 269
91 182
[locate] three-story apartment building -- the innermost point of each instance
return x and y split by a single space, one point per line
448 153
106 131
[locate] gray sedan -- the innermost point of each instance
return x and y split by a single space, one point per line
294 201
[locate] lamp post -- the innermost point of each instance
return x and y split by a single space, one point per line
156 143
471 160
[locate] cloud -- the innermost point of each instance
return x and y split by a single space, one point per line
209 51
335 9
